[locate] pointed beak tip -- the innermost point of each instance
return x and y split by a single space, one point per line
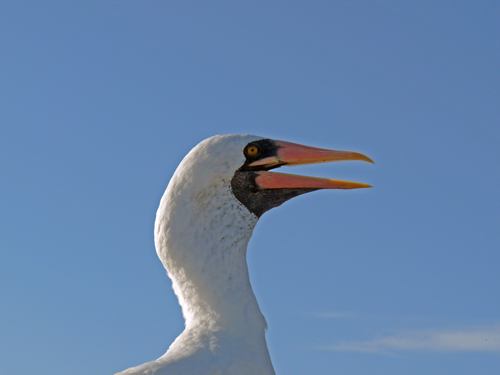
367 159
361 185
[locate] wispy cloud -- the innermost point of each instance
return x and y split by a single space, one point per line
465 340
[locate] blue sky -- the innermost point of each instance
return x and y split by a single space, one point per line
99 102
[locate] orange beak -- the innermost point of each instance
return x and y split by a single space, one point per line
294 154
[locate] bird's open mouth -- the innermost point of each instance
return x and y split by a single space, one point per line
260 190
294 154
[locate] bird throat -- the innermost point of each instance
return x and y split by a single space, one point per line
206 260
256 200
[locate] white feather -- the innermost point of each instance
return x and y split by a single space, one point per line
201 237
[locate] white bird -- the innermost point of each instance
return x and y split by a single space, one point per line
204 222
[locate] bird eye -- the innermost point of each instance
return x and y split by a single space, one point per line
252 150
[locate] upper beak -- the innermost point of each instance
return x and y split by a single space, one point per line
295 154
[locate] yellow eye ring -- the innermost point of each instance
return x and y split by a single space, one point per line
252 150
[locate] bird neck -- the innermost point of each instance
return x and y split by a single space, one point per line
202 243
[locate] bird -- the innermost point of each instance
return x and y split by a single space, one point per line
203 225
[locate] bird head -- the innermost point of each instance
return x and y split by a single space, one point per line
243 162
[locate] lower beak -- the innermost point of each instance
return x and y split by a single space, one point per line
294 154
274 180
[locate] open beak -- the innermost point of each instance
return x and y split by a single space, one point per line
294 154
